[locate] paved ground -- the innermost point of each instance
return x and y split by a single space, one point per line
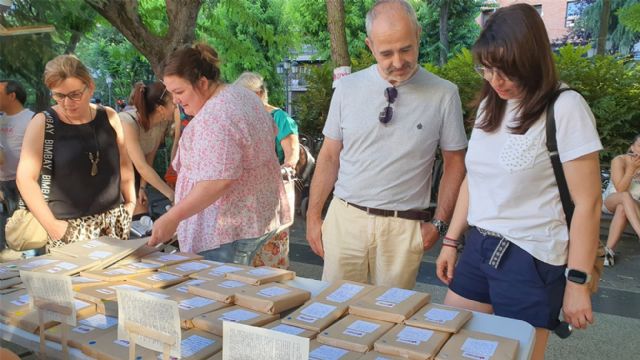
615 334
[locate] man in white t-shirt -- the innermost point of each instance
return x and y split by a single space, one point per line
381 135
13 124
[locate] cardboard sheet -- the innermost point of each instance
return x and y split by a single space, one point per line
411 342
261 275
271 298
440 317
212 322
389 304
476 345
354 333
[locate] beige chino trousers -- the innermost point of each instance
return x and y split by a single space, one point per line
372 249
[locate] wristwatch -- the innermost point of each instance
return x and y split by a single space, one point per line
441 226
577 276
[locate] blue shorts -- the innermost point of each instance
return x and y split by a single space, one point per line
522 287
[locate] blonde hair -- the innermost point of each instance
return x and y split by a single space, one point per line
63 67
255 83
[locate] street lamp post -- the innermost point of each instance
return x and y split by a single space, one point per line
287 69
109 81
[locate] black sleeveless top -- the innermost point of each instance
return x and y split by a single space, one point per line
74 192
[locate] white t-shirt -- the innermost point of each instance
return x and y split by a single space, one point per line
512 188
12 128
390 166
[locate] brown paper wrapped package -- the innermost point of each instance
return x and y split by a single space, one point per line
378 304
271 298
459 317
507 348
412 344
354 333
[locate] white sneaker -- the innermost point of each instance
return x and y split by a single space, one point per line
609 257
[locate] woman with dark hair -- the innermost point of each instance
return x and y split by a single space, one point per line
518 246
622 197
229 185
91 189
145 127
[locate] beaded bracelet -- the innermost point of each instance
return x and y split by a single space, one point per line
449 242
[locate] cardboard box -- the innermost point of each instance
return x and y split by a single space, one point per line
108 347
440 317
27 319
374 355
165 259
120 272
389 304
271 298
318 351
155 280
104 250
315 315
344 292
354 333
219 289
189 305
212 322
16 301
7 283
219 272
411 342
104 296
476 345
261 275
198 345
290 329
8 270
187 268
83 335
67 266
183 287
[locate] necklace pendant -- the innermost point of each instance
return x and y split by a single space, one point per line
94 163
94 169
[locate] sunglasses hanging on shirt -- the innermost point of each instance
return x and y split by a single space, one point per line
391 94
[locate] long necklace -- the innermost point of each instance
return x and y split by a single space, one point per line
93 158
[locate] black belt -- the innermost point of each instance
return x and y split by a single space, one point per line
421 215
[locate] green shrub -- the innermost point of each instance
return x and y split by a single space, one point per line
312 107
612 89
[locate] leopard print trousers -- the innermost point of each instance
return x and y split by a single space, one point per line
114 223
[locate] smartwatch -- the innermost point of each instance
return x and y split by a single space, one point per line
441 226
577 276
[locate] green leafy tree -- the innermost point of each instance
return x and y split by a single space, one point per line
621 37
630 17
23 57
312 106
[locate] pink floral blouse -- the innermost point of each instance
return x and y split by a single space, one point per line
231 137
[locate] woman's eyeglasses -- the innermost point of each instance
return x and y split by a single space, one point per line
488 73
73 96
390 93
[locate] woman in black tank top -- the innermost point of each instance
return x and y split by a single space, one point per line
91 192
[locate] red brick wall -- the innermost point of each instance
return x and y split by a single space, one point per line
553 14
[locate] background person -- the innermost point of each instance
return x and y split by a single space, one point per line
376 228
622 197
145 128
13 124
519 246
287 142
91 169
229 185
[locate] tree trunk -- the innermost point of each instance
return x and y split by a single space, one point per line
444 31
604 27
124 16
335 23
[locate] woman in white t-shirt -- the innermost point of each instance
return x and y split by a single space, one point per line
622 197
517 248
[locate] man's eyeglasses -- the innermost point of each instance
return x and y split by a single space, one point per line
488 73
73 96
390 93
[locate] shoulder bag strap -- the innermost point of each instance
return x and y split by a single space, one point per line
552 146
46 171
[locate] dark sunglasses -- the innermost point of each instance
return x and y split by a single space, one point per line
391 94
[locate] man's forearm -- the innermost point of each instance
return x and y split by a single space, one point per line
453 174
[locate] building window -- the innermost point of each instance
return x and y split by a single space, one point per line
574 8
538 9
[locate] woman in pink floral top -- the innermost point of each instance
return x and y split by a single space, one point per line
229 185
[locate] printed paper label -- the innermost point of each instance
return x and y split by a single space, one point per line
157 294
37 263
21 301
393 297
413 335
194 302
127 287
82 280
119 272
172 257
273 291
238 315
344 293
105 291
162 277
83 329
185 287
99 321
262 272
288 329
478 349
92 244
315 311
191 266
326 352
220 271
79 304
99 255
193 345
123 343
231 284
66 265
141 265
440 316
360 328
